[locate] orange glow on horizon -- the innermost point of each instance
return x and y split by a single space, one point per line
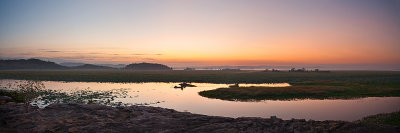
203 32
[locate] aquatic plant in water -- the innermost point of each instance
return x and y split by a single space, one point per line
82 96
34 92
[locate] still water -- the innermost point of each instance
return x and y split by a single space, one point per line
187 100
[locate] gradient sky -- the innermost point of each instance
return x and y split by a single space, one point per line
203 32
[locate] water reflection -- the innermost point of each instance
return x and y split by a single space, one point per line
165 95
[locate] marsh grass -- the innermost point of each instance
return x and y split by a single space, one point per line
305 90
380 119
201 76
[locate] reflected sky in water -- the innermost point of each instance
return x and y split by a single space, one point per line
166 96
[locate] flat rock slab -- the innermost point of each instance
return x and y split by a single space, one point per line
98 118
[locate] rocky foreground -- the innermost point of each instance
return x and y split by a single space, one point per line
98 118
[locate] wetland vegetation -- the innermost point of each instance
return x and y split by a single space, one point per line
332 85
204 76
307 90
382 119
35 93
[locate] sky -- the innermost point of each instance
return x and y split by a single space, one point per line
203 32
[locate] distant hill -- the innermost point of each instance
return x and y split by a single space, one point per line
113 65
40 64
75 64
29 64
71 64
147 66
90 66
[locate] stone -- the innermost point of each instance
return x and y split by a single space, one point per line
100 118
6 98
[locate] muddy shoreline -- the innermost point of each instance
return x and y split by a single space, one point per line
99 118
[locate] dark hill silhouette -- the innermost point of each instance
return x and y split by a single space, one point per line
29 64
71 64
40 64
147 66
91 66
113 65
76 64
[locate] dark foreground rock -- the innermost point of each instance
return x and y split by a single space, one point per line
97 118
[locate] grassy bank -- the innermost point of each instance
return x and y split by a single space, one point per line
385 77
307 90
384 118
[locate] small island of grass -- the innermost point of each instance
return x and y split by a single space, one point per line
305 90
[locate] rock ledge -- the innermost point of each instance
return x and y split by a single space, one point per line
98 118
